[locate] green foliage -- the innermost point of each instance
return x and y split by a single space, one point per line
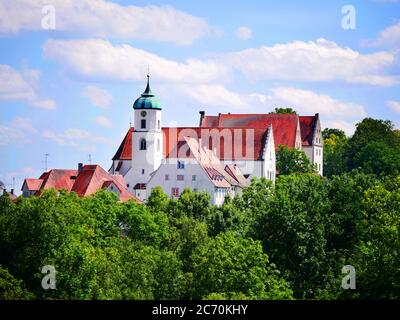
235 266
11 288
283 111
335 144
292 160
374 147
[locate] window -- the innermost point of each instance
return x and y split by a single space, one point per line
181 165
175 192
166 177
194 177
127 185
143 144
143 124
158 124
194 189
142 171
180 177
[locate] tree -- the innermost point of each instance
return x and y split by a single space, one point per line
283 111
335 144
327 133
291 227
292 160
158 200
234 266
370 136
11 288
377 259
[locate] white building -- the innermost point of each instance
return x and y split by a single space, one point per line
152 155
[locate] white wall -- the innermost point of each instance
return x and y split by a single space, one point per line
202 182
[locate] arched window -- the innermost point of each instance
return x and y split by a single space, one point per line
143 145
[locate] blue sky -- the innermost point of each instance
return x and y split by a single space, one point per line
68 91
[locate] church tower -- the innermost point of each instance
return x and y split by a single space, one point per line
147 140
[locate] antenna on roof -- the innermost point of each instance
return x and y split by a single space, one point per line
13 183
90 159
46 161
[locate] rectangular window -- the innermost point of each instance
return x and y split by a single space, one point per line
142 171
143 124
175 192
194 177
180 177
167 177
181 165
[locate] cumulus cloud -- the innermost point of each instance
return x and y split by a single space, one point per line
17 132
244 33
98 96
388 37
100 18
320 60
75 137
334 113
103 122
394 105
21 86
100 59
317 61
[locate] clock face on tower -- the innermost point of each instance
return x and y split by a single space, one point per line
143 113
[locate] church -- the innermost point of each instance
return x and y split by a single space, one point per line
219 156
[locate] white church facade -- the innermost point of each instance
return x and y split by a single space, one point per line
219 156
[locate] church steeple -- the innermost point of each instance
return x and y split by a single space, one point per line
147 100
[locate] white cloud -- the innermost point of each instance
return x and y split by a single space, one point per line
334 113
75 137
387 37
17 132
244 33
319 60
309 102
20 86
98 96
100 59
394 105
100 18
103 122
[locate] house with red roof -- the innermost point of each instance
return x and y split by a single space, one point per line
85 181
246 142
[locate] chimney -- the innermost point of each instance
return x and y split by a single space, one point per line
202 114
80 167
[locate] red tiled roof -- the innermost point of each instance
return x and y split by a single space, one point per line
33 184
284 125
307 129
227 146
58 179
93 177
124 151
88 181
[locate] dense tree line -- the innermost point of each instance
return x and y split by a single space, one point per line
289 240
